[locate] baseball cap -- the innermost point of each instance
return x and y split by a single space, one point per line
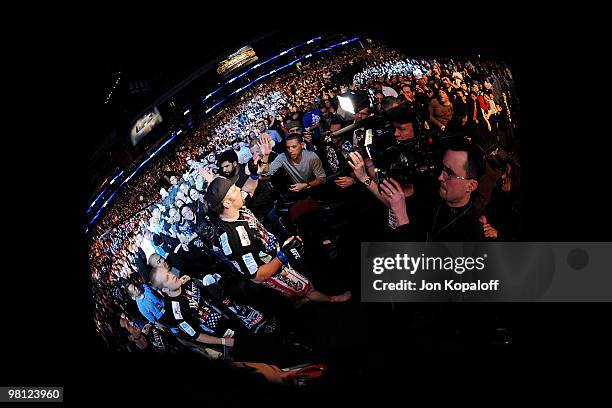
216 191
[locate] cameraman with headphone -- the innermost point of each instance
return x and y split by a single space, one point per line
403 121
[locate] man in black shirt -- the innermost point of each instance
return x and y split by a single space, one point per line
229 166
148 337
455 218
203 313
404 142
261 202
254 251
184 316
191 313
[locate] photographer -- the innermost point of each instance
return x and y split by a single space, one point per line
455 218
403 121
397 210
403 142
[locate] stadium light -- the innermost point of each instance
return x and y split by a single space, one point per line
346 103
116 177
97 198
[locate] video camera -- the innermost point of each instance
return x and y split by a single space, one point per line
405 161
415 159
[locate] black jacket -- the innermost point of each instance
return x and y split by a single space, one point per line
447 225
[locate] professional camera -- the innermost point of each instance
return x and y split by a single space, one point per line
415 159
405 161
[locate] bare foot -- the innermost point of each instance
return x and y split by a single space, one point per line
342 298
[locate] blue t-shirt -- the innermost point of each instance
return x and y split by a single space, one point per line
313 118
150 305
160 251
172 192
275 135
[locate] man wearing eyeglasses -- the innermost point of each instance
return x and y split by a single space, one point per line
454 219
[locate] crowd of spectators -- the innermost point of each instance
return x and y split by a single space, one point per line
155 212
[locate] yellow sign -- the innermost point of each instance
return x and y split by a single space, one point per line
245 55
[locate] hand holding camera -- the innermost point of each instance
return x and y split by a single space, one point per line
393 193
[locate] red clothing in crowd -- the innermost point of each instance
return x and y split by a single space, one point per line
483 103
